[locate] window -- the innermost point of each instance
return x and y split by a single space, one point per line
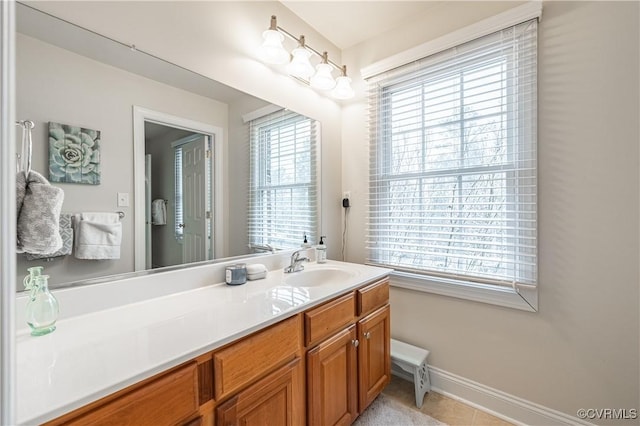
283 200
453 163
177 168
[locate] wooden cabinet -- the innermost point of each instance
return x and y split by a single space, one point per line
276 400
372 296
374 355
169 399
332 380
241 363
348 370
323 321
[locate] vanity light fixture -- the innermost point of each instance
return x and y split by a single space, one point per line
299 64
343 89
323 79
272 50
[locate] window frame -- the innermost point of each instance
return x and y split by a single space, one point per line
257 187
524 297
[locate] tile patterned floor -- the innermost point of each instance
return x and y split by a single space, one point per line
440 407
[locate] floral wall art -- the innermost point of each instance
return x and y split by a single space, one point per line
74 154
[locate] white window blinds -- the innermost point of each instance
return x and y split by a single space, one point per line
283 193
453 162
177 182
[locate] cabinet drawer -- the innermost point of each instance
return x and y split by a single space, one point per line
324 320
373 296
170 399
252 357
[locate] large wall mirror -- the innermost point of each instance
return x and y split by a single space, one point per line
153 116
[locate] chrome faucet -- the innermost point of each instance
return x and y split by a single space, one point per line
263 247
296 262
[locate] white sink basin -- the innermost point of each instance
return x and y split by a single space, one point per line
318 276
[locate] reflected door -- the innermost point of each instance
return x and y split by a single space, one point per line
147 214
194 192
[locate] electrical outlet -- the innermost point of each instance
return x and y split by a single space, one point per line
346 194
123 199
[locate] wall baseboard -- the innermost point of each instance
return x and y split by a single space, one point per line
495 402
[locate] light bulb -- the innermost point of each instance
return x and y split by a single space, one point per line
323 79
343 88
300 65
272 51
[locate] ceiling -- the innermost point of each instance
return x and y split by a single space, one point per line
348 23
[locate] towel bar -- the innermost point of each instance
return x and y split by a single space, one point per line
121 214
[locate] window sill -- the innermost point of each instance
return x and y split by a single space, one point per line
524 299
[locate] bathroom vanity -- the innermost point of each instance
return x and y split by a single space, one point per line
310 347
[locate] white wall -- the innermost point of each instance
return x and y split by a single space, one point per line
53 84
581 350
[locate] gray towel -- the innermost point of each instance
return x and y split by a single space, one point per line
66 233
21 190
39 221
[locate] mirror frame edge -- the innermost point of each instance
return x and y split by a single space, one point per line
8 375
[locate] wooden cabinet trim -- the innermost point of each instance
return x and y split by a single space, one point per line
205 379
324 320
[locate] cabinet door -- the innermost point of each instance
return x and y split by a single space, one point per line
374 355
276 400
332 383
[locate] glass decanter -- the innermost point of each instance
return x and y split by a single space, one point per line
29 280
42 308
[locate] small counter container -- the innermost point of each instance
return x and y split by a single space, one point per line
236 274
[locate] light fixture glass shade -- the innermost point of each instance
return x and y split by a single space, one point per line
272 51
300 65
323 79
343 89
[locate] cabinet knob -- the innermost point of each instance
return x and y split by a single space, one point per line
355 343
367 335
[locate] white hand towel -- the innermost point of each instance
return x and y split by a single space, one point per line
97 236
158 212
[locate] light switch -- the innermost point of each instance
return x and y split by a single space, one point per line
123 199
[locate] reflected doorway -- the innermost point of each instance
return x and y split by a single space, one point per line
178 220
178 168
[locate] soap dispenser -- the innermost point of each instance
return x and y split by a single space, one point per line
321 251
305 243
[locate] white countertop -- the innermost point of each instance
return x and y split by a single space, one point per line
95 354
